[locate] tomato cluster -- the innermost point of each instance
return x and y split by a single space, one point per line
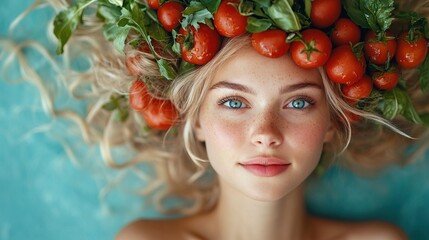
158 113
357 60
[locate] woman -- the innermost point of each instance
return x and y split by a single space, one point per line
264 123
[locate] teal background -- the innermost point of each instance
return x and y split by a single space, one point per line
45 195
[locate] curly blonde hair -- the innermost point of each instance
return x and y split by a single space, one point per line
182 168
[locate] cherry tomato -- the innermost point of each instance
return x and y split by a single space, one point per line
324 12
411 54
378 51
353 118
385 80
139 98
170 15
144 47
270 43
344 67
345 31
358 90
157 113
315 52
228 21
154 4
160 114
206 44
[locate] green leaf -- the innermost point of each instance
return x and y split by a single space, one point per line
166 69
158 33
110 105
117 2
194 14
110 14
425 119
416 22
355 13
378 14
307 4
152 15
283 16
193 8
396 102
67 21
176 45
121 114
393 104
117 34
424 75
211 5
121 34
185 67
263 3
255 25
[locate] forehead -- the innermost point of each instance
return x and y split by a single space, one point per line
247 63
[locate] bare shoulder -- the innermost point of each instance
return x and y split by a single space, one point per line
144 229
341 230
377 231
149 229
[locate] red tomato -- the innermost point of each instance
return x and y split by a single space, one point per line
344 67
154 4
139 97
206 44
157 113
378 51
270 43
228 21
144 47
160 114
353 118
324 12
170 15
358 90
411 54
385 80
345 32
315 52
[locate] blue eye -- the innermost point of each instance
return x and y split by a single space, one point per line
299 103
234 104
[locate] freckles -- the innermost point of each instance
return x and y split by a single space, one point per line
311 134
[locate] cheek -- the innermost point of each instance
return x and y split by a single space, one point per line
222 134
309 138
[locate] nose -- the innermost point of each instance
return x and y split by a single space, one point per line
267 131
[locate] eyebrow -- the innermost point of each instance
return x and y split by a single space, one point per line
285 89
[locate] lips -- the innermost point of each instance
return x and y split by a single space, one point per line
265 167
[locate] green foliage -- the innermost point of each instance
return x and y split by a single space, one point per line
283 16
396 102
196 13
376 15
117 105
67 21
264 15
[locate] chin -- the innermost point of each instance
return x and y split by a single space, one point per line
268 194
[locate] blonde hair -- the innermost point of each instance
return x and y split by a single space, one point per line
179 158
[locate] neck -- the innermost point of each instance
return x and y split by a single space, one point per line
240 217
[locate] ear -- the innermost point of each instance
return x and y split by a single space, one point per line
198 131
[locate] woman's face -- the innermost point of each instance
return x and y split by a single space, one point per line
264 122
